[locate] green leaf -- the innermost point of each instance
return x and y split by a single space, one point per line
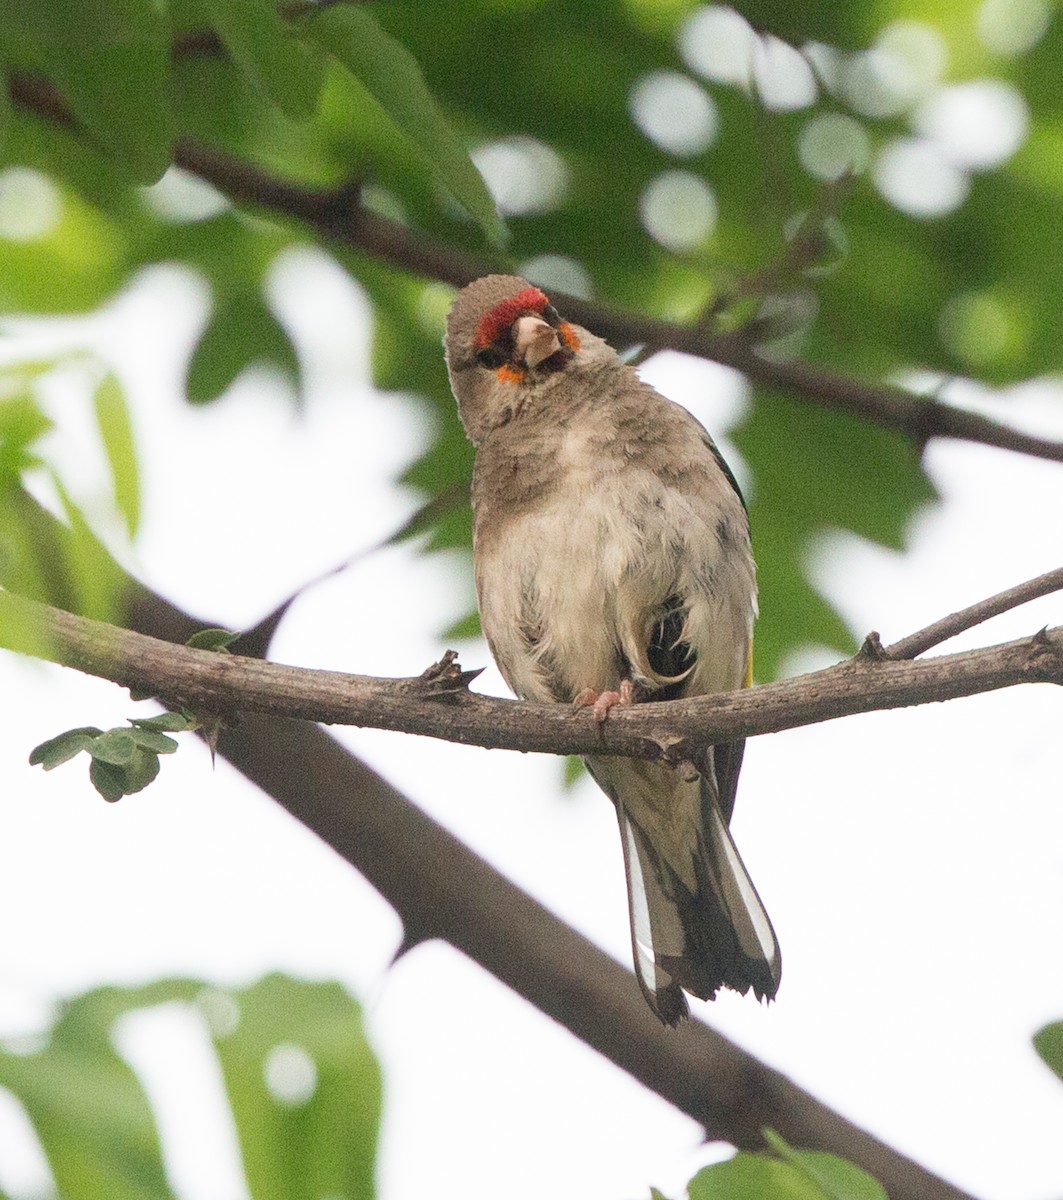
116 430
82 255
464 627
95 1123
572 772
212 639
155 743
242 331
795 1175
837 1178
167 722
752 1177
86 1105
392 76
110 61
58 750
319 1138
113 780
141 769
116 747
96 581
1048 1042
281 67
34 553
108 780
21 424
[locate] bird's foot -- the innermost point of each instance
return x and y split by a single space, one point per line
602 702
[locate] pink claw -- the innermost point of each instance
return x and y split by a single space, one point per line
604 701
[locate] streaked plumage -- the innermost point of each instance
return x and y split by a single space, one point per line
611 544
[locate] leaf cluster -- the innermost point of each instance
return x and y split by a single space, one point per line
122 760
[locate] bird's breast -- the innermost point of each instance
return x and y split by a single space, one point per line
569 581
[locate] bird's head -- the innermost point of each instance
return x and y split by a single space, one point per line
504 340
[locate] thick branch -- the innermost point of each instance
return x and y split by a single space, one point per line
338 215
441 889
225 684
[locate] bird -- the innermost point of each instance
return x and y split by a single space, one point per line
612 562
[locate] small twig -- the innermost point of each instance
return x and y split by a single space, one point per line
446 677
255 642
800 253
958 622
872 648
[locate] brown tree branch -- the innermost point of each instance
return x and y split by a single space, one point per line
227 684
440 889
959 622
338 216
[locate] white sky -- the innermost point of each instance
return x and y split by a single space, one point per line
912 862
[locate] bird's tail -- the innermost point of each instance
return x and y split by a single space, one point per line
697 922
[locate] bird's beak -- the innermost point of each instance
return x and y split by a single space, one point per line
534 341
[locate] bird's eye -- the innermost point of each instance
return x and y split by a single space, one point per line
551 316
491 357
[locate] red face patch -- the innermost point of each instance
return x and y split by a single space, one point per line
499 319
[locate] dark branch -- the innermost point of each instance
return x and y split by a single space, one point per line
338 216
441 889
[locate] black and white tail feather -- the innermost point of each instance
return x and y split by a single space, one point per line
707 929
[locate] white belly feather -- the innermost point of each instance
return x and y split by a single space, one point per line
577 582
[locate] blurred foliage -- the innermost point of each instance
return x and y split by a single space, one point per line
1048 1042
553 99
305 1093
784 1174
71 570
302 1084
